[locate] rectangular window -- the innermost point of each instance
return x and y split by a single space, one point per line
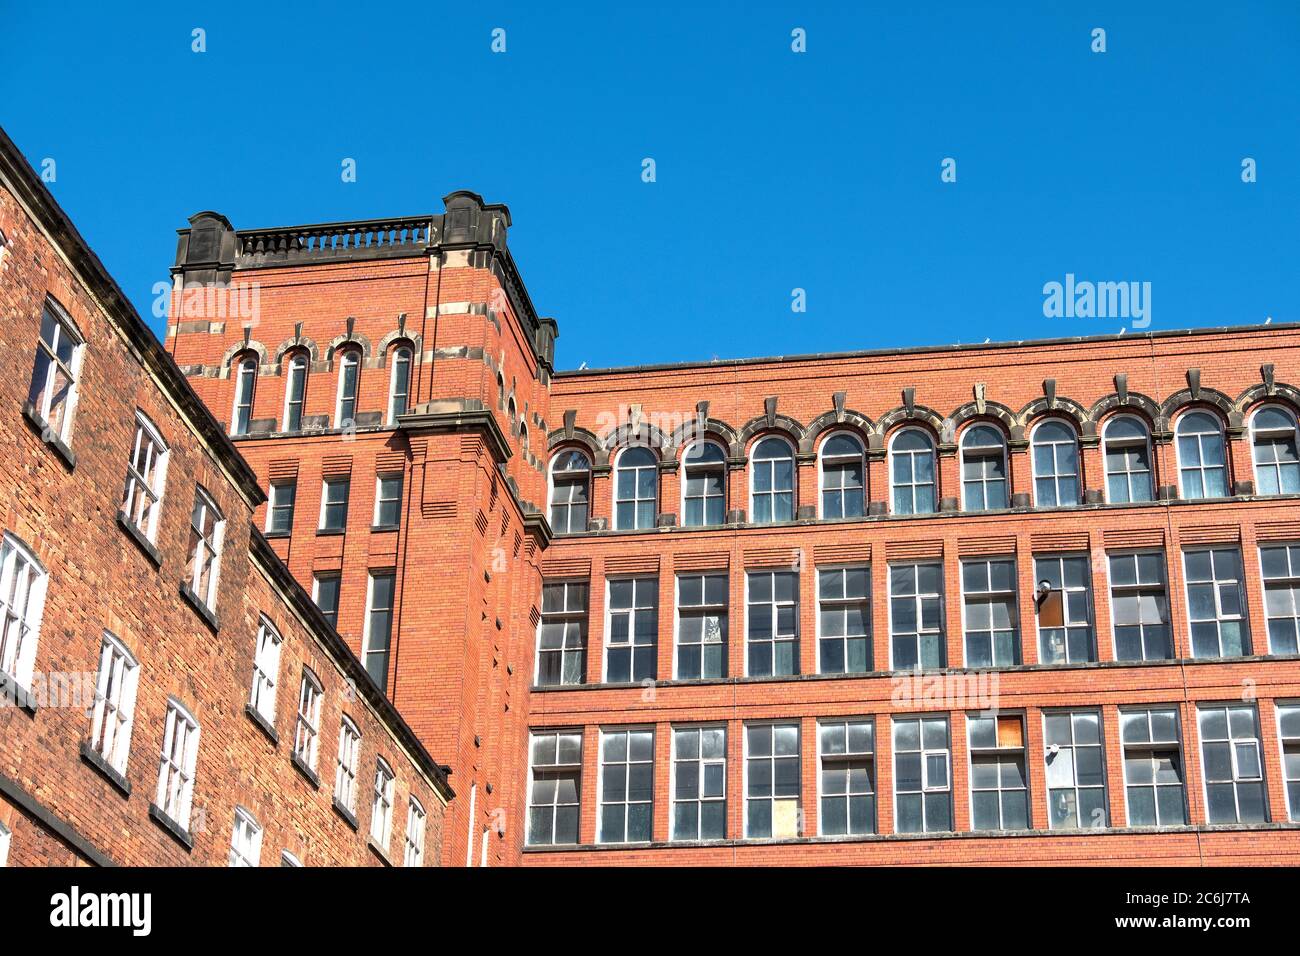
413 846
556 774
843 620
998 783
1288 727
207 528
1153 767
772 788
1065 628
631 629
266 670
245 840
279 507
1076 780
1215 608
180 753
381 812
847 749
916 616
701 626
562 634
1280 565
379 627
989 609
5 838
146 473
922 775
114 713
1140 607
334 504
388 501
772 638
626 785
327 596
22 600
307 729
53 392
295 393
1234 769
345 766
699 783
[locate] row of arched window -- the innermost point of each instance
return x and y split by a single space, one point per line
1128 460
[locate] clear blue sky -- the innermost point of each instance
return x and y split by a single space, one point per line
775 170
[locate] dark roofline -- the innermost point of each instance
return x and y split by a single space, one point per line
929 349
33 192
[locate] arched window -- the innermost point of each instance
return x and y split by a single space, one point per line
1128 461
983 469
570 492
1056 464
1277 465
512 414
636 489
771 482
399 383
1202 467
704 489
245 383
349 377
843 477
295 393
523 441
22 602
911 472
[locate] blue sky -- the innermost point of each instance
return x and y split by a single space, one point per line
775 170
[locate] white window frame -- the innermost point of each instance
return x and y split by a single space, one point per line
381 811
557 766
772 605
913 485
306 737
203 547
245 840
917 600
926 752
287 859
143 496
1013 599
113 716
983 481
345 765
1060 558
843 604
1202 469
1292 806
626 730
473 820
721 611
771 798
1147 748
1254 452
1035 442
349 361
244 373
399 477
639 584
701 763
564 454
6 838
328 482
567 616
367 634
1238 775
297 370
64 328
174 795
710 467
1217 584
773 492
413 842
847 757
636 498
999 751
266 669
276 492
23 581
822 457
1074 746
401 354
1128 474
1110 597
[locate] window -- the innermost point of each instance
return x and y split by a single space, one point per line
922 781
772 781
772 482
916 635
1202 467
626 785
635 489
1277 464
772 637
388 500
1288 726
704 490
999 786
207 528
631 629
399 385
701 626
847 750
1280 566
570 492
295 393
53 392
180 753
1234 771
327 596
112 718
556 769
843 620
1153 767
245 840
379 627
483 859
245 383
989 609
146 473
983 469
1139 607
345 411
345 766
306 734
381 812
911 472
699 783
1076 780
1056 464
843 477
5 836
289 860
266 670
22 600
279 507
413 846
1064 605
1128 461
562 634
334 504
1216 611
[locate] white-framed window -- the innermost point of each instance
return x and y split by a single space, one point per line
1063 602
113 716
1202 463
1216 607
241 413
325 592
1273 444
413 844
53 392
1288 730
1076 776
916 631
1139 606
989 612
570 492
289 860
4 250
701 646
279 506
699 783
146 476
846 785
1126 445
381 811
399 382
306 735
636 489
704 485
1153 767
345 408
983 469
922 775
562 633
388 500
843 477
266 670
771 481
180 753
772 781
1280 570
631 629
207 530
23 582
771 623
1232 764
345 765
483 858
6 837
295 393
473 820
245 840
1056 464
844 620
626 785
334 503
999 784
912 473
555 777
378 634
